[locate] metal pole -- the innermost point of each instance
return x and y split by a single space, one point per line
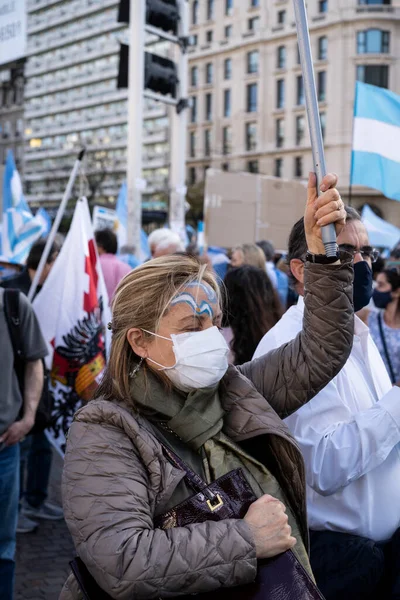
56 225
135 183
178 136
314 123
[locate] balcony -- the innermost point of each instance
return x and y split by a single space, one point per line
46 89
109 98
78 126
50 21
42 67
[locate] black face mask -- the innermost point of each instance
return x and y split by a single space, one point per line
362 286
382 299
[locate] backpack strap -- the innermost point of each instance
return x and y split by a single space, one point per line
385 349
11 312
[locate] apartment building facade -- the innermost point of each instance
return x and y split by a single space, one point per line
248 108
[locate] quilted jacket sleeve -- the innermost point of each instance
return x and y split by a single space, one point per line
294 373
109 514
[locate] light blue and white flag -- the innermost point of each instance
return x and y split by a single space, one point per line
376 140
380 233
20 230
13 196
44 218
122 224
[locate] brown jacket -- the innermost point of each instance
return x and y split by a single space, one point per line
116 478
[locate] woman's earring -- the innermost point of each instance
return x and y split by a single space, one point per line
135 370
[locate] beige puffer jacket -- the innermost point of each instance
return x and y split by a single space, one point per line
116 478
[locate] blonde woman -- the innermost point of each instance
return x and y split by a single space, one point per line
168 385
248 254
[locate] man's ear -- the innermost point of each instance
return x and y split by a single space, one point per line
297 269
137 342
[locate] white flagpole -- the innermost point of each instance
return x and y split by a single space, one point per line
314 123
56 224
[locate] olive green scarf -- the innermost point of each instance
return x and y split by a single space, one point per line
197 419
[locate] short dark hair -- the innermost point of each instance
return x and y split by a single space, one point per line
106 239
297 246
35 254
267 248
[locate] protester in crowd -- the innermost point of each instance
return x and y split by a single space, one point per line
278 279
168 381
251 308
163 242
128 255
349 435
385 323
113 268
36 454
24 279
248 254
17 416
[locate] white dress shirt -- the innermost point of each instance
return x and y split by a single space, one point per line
349 435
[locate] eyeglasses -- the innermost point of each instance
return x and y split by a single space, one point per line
367 252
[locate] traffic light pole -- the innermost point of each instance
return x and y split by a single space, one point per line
179 123
135 182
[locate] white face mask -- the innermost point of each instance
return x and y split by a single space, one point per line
201 359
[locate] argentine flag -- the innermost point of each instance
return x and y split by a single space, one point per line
376 140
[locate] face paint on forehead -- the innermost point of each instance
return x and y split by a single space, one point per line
205 307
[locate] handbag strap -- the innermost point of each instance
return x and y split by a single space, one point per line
385 349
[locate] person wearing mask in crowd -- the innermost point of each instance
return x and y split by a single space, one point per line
247 254
17 417
251 308
163 242
113 268
349 435
168 385
279 280
385 323
36 454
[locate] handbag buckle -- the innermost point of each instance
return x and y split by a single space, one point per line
219 503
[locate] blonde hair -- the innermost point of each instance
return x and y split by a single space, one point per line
142 298
253 255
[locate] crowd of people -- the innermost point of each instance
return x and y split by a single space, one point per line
252 368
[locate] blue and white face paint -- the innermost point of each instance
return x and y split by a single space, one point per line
204 307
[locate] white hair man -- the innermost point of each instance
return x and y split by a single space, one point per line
164 241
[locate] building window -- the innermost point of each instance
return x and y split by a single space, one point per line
321 85
207 142
299 90
322 48
380 2
251 104
252 61
374 75
254 3
209 73
192 144
278 167
192 175
227 103
280 93
373 41
228 7
195 12
228 68
226 140
208 111
280 133
298 166
251 136
281 17
209 36
300 130
252 166
225 166
298 55
193 40
253 24
323 6
210 9
193 109
322 117
194 76
281 57
19 128
228 32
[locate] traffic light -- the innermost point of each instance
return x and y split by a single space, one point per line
163 14
160 74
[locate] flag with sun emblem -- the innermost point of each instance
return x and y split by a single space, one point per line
72 308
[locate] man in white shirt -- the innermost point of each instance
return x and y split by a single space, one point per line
349 434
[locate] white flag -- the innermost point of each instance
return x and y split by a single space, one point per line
72 308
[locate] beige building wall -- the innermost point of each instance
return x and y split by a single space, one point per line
339 24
